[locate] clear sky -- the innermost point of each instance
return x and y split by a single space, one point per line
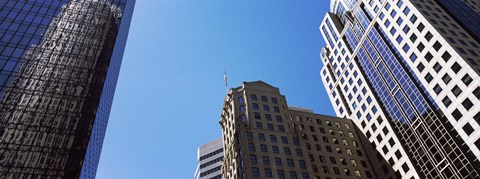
170 91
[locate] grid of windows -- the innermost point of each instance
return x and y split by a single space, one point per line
435 66
77 44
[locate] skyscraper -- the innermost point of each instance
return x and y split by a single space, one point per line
210 157
59 66
407 73
265 138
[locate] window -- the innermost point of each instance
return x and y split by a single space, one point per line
278 161
468 129
456 91
266 108
336 170
476 92
446 101
251 147
354 163
299 152
240 99
428 56
273 138
268 117
467 79
457 114
255 106
456 67
467 104
284 140
263 148
420 47
347 171
281 128
265 160
399 39
275 149
350 134
437 67
420 66
280 174
413 19
274 101
413 57
259 125
305 175
437 46
261 137
359 153
276 109
264 99
338 149
293 175
332 160
242 109
253 159
428 36
268 172
437 89
446 56
287 151
428 77
421 27
295 141
302 164
257 115
406 29
270 127
405 48
253 97
255 172
405 168
279 118
290 163
446 78
249 136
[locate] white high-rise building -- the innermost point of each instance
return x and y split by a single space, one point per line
210 158
407 73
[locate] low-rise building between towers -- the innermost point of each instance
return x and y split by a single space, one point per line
265 138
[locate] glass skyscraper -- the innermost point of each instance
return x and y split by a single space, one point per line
407 74
59 64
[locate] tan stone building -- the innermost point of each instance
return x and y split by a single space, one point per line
265 138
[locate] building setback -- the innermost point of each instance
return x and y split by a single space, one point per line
264 138
59 64
407 74
210 158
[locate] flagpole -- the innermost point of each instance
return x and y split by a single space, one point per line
225 80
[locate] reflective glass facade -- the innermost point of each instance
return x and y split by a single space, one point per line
464 14
59 64
379 71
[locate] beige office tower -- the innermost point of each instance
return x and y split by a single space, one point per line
265 138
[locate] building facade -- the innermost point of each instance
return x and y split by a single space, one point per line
210 157
59 64
264 138
407 73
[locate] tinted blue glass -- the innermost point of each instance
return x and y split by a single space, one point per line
59 61
465 15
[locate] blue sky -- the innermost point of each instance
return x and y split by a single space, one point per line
170 91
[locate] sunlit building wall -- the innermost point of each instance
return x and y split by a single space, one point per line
265 138
407 73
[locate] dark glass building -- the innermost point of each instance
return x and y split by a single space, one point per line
59 64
